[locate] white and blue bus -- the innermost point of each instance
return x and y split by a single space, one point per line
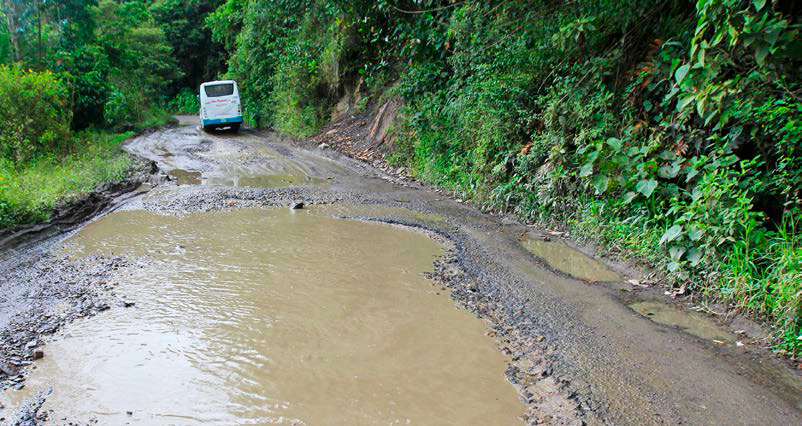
220 105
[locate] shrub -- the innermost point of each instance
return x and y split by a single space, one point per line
34 114
29 194
185 102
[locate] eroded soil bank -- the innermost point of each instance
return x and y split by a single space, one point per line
577 352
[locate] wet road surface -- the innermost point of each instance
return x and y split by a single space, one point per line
580 349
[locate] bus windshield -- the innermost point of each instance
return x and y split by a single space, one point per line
216 90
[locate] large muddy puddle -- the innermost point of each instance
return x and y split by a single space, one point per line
272 317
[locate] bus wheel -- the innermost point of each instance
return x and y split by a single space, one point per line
208 129
235 127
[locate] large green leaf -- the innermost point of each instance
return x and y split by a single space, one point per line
682 103
760 55
681 73
629 196
646 186
669 171
695 233
586 170
701 104
671 234
614 143
695 256
667 155
691 174
600 183
676 253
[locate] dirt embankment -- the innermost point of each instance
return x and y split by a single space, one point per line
365 137
73 213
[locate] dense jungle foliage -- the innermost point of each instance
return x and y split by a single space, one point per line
73 73
668 129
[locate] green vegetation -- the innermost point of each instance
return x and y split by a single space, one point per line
29 194
185 102
34 114
671 129
78 76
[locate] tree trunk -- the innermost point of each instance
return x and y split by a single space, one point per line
39 18
12 24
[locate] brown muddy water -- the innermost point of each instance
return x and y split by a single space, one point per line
569 260
184 177
691 322
272 317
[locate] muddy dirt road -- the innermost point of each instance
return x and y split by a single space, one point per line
208 300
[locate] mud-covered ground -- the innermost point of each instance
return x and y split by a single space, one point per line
578 353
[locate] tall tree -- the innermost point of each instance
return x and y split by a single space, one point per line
11 10
199 56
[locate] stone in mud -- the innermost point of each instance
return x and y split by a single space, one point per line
47 328
296 205
38 353
8 369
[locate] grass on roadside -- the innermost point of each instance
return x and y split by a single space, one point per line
763 281
767 280
30 193
158 117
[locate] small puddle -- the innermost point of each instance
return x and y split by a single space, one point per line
183 177
570 261
278 180
397 213
188 120
691 322
272 317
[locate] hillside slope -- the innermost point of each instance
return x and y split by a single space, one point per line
668 131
